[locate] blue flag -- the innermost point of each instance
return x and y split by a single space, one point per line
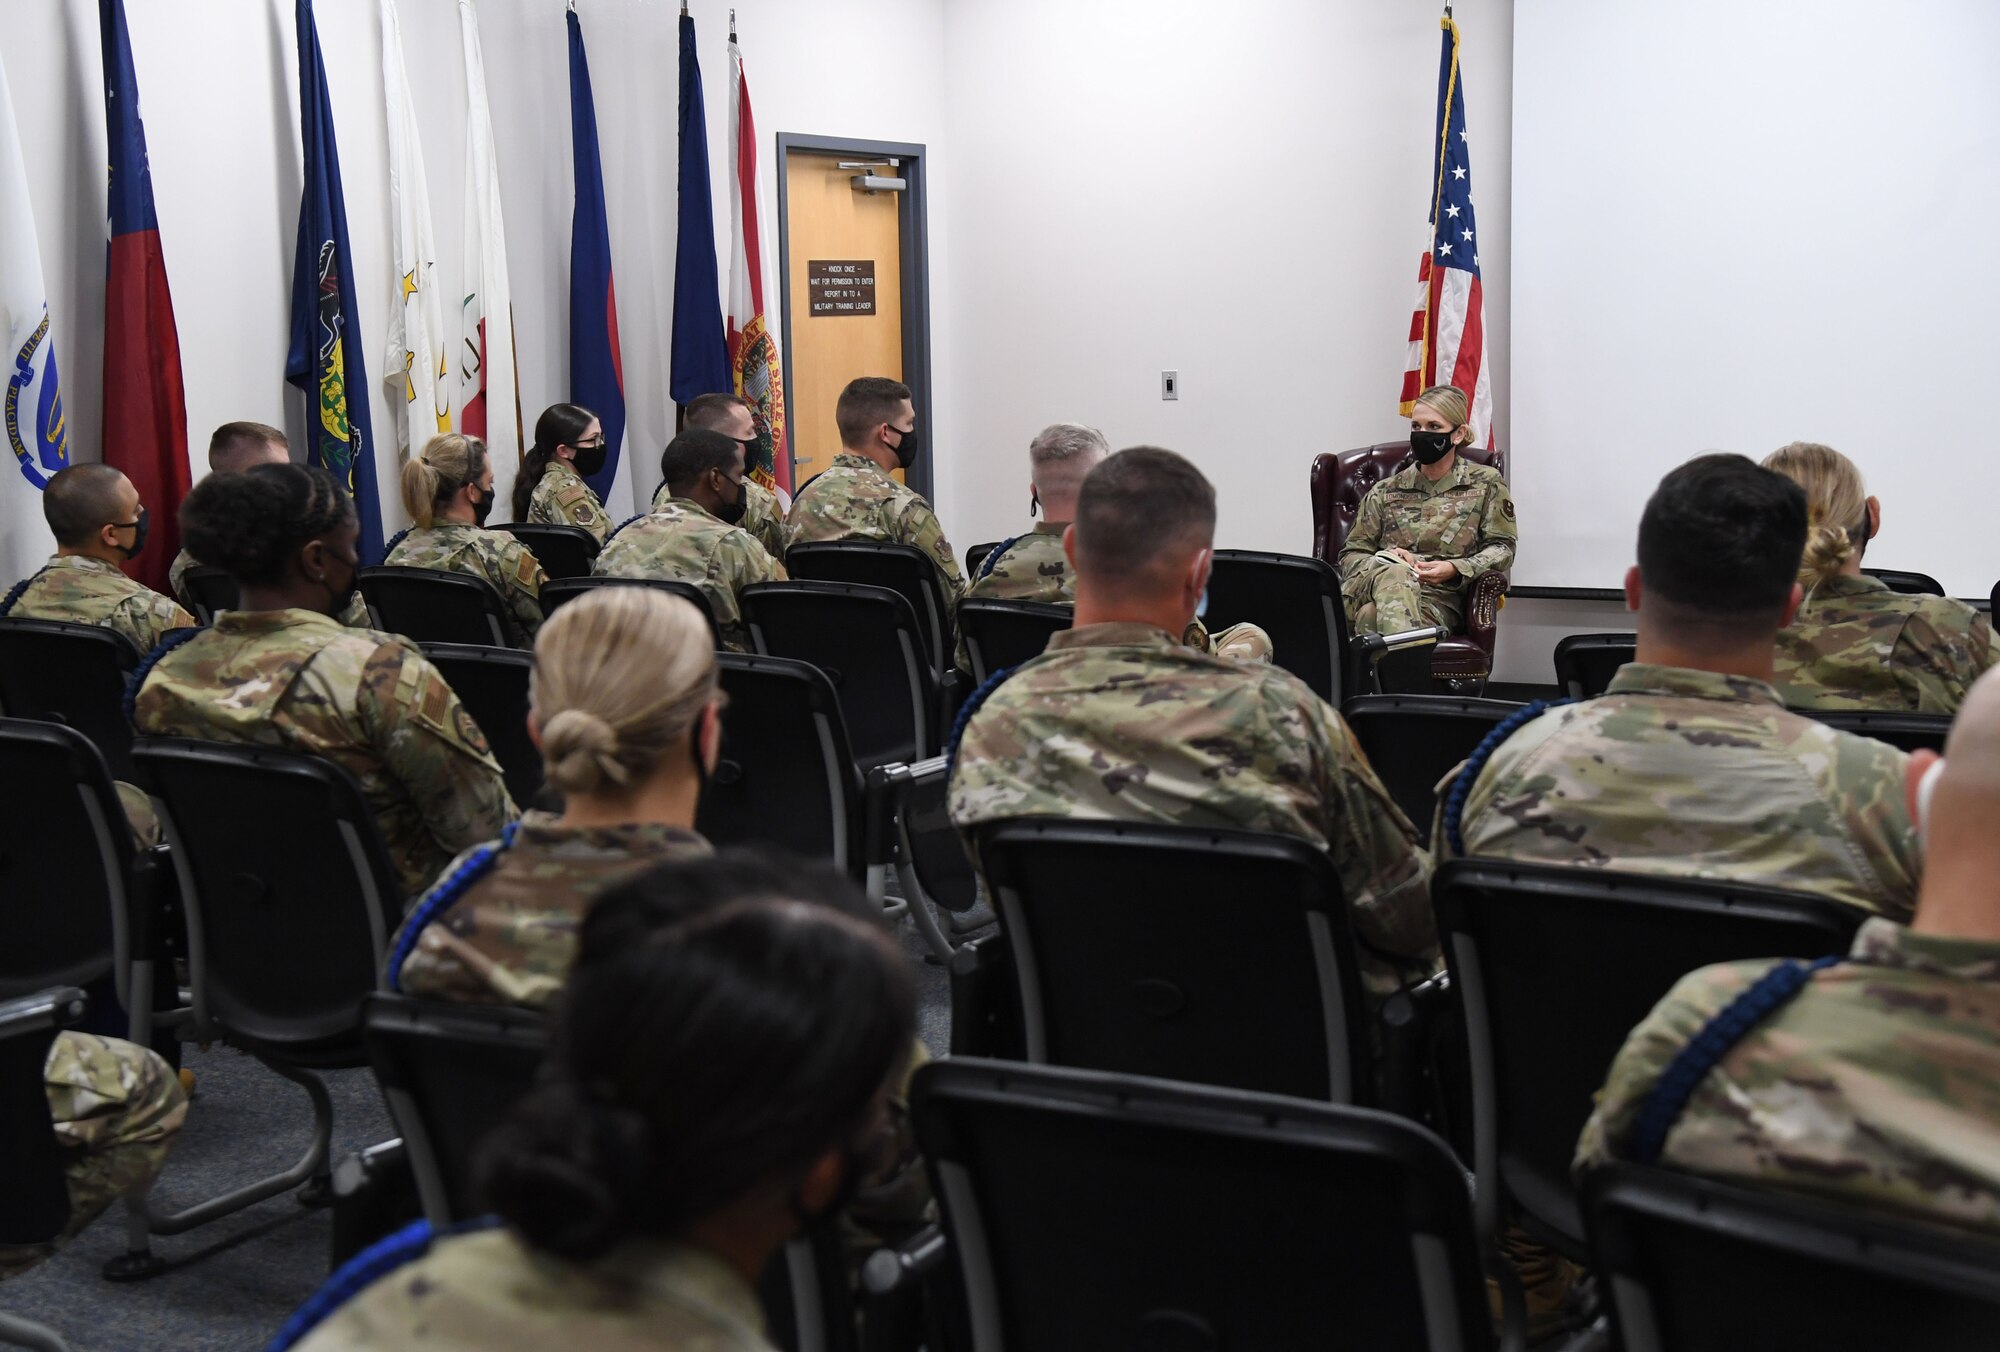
596 377
701 350
325 360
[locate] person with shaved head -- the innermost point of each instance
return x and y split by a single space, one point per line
234 447
98 521
1873 1079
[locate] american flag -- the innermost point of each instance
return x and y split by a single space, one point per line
1448 330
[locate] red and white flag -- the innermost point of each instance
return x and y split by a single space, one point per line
754 367
1448 330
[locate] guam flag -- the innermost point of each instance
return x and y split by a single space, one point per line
35 437
596 379
325 359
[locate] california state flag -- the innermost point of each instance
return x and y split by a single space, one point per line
754 368
416 372
489 404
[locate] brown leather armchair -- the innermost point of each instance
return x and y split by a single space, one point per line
1340 481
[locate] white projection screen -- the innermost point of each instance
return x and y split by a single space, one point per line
1738 223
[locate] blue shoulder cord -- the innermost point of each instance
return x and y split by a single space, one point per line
145 668
1671 1092
442 898
363 1270
965 713
993 557
623 524
395 540
1454 803
14 594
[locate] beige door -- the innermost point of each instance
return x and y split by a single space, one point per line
846 295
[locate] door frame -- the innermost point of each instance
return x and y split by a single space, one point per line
912 223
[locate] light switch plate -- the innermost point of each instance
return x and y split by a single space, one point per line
1170 384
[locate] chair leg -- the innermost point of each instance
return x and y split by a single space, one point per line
139 1262
924 912
18 1332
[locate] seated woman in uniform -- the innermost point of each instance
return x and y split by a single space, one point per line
283 672
1425 535
718 1073
1855 644
550 489
624 708
448 492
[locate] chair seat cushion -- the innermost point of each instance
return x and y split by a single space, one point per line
1460 657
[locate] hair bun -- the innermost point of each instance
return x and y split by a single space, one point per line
565 1170
581 751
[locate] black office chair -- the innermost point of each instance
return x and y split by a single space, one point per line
1191 1217
1909 584
1993 602
1554 965
73 674
1585 663
903 569
560 591
976 555
1003 634
785 775
492 684
1217 957
436 605
1906 731
212 591
1296 600
34 1194
1413 741
563 551
1693 1265
290 901
911 832
867 641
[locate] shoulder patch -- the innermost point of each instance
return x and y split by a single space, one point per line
1507 508
525 571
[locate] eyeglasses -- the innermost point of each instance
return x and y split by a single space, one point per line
601 441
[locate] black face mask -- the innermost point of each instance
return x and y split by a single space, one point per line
482 508
139 532
341 597
906 449
729 513
1429 447
590 459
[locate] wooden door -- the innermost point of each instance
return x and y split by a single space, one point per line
851 323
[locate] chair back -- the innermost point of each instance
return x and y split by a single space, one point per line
1413 741
450 1072
34 1194
1693 1265
1905 731
1218 957
1198 1218
212 591
492 684
288 890
928 839
786 774
1003 634
435 605
65 859
1909 584
976 555
867 642
1340 481
903 569
560 591
1554 965
563 551
1585 663
1296 600
73 674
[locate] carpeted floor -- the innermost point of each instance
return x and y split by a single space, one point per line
230 1284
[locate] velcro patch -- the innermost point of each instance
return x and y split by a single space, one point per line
525 569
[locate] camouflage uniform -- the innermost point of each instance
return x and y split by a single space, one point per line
489 1290
369 702
562 498
115 1106
761 516
1029 567
354 617
1466 517
1858 645
1674 771
682 542
493 555
855 499
1120 721
1878 1084
512 935
84 590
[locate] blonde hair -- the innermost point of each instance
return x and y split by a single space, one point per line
433 476
1836 506
1450 403
621 674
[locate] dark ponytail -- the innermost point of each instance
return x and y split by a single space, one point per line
559 425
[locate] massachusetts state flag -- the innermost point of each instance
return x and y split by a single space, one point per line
145 411
37 442
757 375
596 377
1448 330
325 360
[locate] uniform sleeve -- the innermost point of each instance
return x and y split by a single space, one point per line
1497 534
1935 668
431 745
579 507
1365 537
356 615
1383 871
148 617
766 525
918 525
524 589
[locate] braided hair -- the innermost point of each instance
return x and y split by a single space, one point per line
559 425
251 525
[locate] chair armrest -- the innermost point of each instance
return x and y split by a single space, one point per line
881 802
1482 610
903 1266
1407 1024
985 1001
